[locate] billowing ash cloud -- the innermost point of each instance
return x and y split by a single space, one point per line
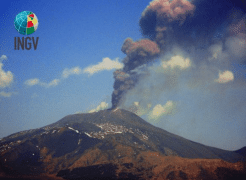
198 23
159 17
138 53
146 50
209 36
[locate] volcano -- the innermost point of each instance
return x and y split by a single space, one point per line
112 144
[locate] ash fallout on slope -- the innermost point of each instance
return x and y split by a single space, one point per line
188 24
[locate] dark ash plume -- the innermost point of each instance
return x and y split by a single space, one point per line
198 23
153 23
141 52
158 18
138 53
191 25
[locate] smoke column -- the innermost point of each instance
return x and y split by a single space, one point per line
138 53
156 19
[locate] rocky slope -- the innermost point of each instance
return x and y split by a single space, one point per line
114 144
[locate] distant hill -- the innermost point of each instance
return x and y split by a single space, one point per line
111 143
242 151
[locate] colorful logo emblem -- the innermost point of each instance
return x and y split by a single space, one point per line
26 22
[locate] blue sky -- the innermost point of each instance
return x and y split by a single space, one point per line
46 84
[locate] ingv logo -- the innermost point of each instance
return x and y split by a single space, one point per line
26 23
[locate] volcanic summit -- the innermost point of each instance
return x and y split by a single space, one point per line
111 144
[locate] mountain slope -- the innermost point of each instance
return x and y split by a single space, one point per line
107 138
160 138
241 151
